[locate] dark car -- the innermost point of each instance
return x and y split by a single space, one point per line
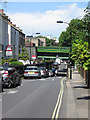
13 78
44 71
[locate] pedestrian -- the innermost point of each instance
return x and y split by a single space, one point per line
53 70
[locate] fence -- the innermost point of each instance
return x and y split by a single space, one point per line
85 75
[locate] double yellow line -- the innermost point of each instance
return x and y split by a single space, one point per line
59 101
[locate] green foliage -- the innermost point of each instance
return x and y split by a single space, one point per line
63 40
3 61
16 63
80 54
24 54
12 59
43 60
40 36
48 42
0 61
79 34
8 60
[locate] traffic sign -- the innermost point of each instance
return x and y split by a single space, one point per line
33 56
8 51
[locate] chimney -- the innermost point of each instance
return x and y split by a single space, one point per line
1 11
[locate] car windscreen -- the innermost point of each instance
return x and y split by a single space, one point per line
42 68
5 68
31 69
1 69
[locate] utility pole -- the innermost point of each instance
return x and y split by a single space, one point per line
70 76
30 47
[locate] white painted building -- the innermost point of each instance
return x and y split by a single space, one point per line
10 35
13 38
3 33
16 39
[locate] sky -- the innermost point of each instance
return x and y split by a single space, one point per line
41 17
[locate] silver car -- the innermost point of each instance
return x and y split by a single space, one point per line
32 71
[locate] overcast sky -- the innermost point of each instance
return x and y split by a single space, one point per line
41 17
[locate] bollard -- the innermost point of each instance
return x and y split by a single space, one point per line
69 73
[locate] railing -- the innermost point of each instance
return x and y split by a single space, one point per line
85 75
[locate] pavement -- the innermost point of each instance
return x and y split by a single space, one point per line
78 97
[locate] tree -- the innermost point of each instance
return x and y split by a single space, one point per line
48 42
79 32
81 49
63 39
24 54
74 31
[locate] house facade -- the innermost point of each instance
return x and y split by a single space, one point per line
3 33
11 35
16 39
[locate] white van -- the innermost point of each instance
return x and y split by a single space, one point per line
58 61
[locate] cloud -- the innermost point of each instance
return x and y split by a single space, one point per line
45 23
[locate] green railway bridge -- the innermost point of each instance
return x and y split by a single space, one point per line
53 52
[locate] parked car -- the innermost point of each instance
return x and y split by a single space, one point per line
13 78
0 84
4 72
51 73
44 71
62 70
3 75
32 71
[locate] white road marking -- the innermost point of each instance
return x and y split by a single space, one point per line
30 80
42 79
59 102
0 100
19 86
12 92
35 80
59 77
52 79
3 92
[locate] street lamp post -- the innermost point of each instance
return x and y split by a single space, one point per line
30 45
30 48
70 48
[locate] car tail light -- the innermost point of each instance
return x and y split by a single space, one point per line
36 72
5 72
8 75
25 72
43 71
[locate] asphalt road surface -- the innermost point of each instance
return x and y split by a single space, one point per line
36 98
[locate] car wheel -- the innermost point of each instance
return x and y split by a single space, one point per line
25 77
9 84
39 77
20 81
14 82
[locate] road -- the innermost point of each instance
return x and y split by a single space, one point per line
36 98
